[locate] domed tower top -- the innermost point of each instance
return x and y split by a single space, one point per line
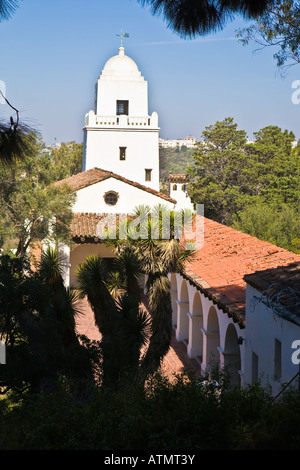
121 67
121 82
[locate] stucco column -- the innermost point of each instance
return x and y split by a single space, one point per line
195 345
182 330
211 342
231 362
173 293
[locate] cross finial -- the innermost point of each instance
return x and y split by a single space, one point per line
122 36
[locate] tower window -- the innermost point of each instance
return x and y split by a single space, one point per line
122 153
111 198
122 107
148 175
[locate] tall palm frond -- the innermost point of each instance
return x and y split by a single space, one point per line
129 265
8 8
134 333
50 267
115 283
92 276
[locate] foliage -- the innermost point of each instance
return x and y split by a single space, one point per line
279 27
277 224
37 319
174 160
220 171
66 160
7 8
197 17
185 414
114 293
31 208
230 174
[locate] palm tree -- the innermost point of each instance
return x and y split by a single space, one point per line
7 8
38 319
158 256
114 295
193 17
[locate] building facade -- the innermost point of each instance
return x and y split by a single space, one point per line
119 134
220 303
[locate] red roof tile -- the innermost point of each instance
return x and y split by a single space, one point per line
95 175
226 257
84 225
178 178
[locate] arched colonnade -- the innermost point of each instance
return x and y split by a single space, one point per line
211 336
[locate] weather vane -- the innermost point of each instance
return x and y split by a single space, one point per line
122 36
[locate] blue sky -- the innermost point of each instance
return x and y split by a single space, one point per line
53 51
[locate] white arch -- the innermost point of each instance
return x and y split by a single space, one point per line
211 341
195 345
174 297
232 356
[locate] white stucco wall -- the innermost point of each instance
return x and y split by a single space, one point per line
105 131
102 148
91 198
263 326
178 191
121 79
204 328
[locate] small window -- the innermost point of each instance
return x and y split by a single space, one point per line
122 153
111 198
122 107
174 187
148 175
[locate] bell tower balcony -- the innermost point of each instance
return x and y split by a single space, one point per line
122 121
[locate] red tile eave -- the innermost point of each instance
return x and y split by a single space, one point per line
226 257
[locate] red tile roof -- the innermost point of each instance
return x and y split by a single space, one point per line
227 260
95 175
222 266
178 178
84 225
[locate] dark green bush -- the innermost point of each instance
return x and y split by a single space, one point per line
184 415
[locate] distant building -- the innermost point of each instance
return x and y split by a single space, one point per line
188 142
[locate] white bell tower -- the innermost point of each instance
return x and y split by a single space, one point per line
119 134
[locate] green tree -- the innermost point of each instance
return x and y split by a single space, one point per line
198 17
230 173
122 323
173 161
37 320
278 224
278 27
31 208
275 167
219 176
66 160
